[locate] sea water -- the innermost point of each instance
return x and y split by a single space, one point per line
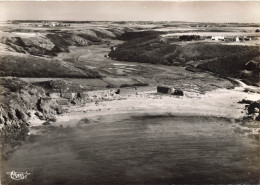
137 149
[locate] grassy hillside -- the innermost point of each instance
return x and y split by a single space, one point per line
24 65
225 60
52 42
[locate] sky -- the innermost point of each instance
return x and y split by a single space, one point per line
194 11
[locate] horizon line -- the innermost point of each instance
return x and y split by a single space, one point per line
60 20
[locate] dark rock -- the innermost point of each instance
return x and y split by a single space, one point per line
178 93
165 89
252 107
82 95
244 101
73 102
58 110
118 91
246 90
21 115
38 105
39 115
78 95
136 84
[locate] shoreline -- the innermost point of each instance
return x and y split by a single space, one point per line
219 103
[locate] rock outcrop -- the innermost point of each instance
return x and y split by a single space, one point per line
178 92
169 90
165 89
18 99
253 109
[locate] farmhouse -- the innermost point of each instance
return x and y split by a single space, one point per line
54 24
236 39
217 38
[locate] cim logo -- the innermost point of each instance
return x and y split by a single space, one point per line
18 175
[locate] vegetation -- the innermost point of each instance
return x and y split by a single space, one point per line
225 60
189 37
23 65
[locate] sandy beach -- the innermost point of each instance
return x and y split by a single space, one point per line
220 103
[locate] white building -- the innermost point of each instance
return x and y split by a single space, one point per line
54 24
237 39
217 38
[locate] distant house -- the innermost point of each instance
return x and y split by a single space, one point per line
217 38
54 24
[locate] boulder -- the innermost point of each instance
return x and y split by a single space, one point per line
118 91
178 93
253 107
165 89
